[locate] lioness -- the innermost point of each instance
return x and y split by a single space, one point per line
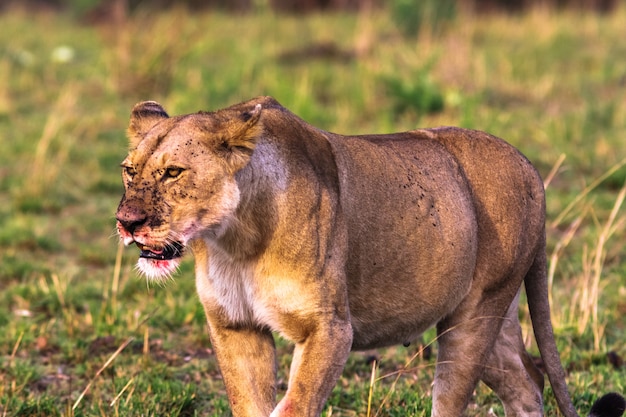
346 242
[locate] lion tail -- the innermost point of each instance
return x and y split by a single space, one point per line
610 405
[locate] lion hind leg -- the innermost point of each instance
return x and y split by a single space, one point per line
511 373
460 361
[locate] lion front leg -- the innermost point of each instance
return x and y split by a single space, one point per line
316 365
247 361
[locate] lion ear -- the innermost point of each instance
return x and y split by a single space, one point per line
142 118
240 136
243 131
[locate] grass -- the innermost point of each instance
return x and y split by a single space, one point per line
84 336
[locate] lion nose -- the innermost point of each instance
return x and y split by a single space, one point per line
131 218
131 225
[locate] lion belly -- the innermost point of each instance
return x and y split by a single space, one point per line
412 235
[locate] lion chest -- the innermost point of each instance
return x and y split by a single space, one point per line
227 288
242 294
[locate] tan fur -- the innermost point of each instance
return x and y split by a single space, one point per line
345 242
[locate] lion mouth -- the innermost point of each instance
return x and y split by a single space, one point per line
168 252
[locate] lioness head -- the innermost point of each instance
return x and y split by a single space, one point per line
179 179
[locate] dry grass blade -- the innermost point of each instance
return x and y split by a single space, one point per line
586 191
110 360
560 246
15 348
371 391
117 397
115 285
591 292
554 170
59 289
102 368
45 171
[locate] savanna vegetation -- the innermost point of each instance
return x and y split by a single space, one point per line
83 335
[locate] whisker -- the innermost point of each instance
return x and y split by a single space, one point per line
174 236
114 234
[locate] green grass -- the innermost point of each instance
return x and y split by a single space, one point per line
551 84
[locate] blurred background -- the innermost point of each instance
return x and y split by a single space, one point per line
83 334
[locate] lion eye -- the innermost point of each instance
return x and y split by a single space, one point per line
173 172
129 171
